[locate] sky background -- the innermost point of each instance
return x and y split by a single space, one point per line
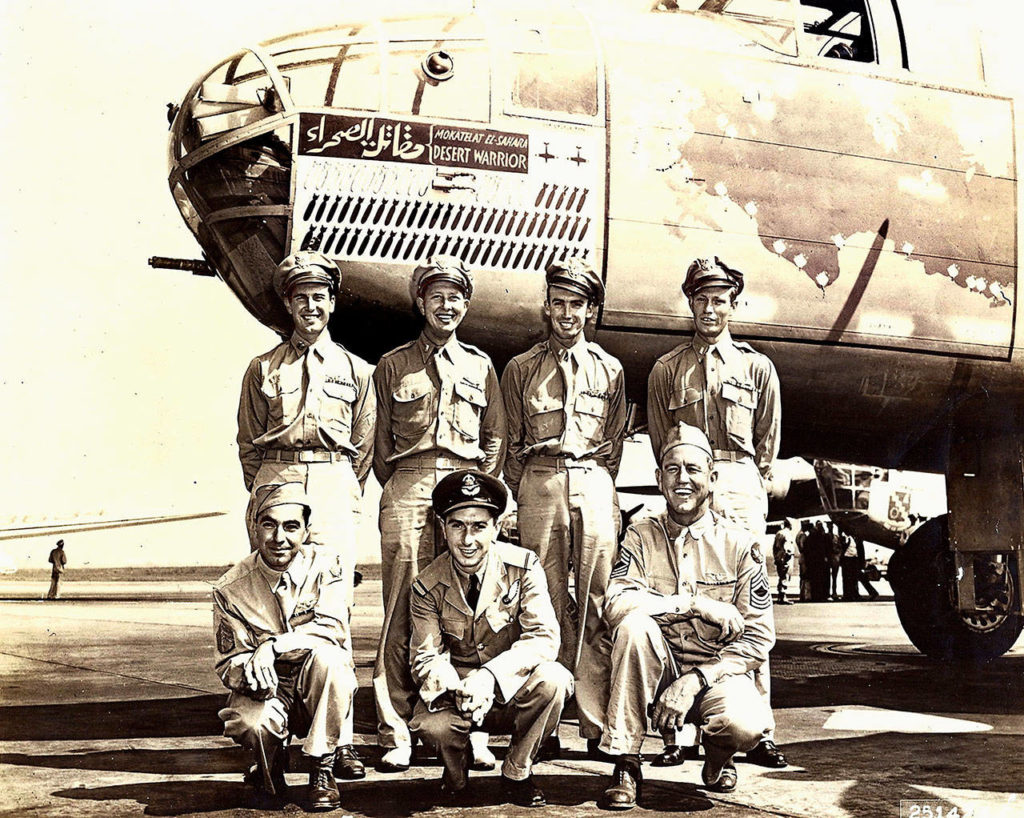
119 383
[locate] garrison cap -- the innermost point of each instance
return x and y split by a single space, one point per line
60 542
306 267
577 275
469 488
442 268
683 434
711 272
279 494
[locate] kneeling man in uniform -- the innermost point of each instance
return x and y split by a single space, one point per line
283 646
691 612
484 641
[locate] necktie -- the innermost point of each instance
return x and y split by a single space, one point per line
565 367
473 594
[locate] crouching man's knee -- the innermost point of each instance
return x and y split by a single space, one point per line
252 723
440 728
637 629
736 715
550 681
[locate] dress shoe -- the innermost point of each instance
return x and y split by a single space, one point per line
483 759
550 749
323 789
348 764
595 752
395 760
627 780
766 754
673 755
523 793
726 781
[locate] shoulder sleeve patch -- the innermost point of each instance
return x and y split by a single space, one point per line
225 638
760 592
621 567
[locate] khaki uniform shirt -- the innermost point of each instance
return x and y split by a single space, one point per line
564 402
513 630
444 399
299 608
658 559
300 397
729 390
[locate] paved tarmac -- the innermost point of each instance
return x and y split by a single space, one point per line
108 707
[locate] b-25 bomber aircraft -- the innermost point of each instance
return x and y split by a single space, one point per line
861 177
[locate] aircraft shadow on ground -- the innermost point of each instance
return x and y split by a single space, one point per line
909 683
147 718
397 799
888 767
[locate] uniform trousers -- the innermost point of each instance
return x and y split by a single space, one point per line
54 592
334 495
410 538
731 713
740 495
569 517
313 697
531 716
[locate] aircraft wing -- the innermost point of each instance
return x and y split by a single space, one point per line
71 527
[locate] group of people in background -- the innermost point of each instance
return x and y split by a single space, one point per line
825 553
667 624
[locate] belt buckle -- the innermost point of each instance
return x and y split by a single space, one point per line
306 455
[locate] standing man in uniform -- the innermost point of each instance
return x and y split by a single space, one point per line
59 560
484 641
783 550
731 392
284 650
439 410
566 405
306 415
691 612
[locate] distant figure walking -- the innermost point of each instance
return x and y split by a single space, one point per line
59 560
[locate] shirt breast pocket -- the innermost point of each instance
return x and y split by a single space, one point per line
410 411
468 404
499 620
453 630
686 405
740 402
337 406
284 399
590 413
545 415
709 634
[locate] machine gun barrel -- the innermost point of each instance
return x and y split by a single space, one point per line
199 267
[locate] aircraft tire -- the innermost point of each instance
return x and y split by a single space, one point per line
920 574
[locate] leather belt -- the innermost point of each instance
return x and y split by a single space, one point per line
560 460
733 457
305 456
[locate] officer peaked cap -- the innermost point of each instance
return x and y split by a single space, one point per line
683 434
577 275
442 268
469 488
279 494
711 272
306 267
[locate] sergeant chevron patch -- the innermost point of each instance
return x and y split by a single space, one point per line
225 638
621 567
760 592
